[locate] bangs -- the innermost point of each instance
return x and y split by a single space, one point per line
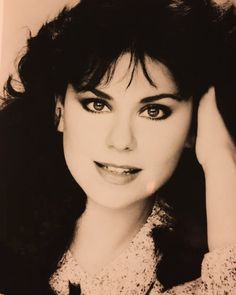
98 35
83 45
101 72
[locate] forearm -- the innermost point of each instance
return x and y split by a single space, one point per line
220 178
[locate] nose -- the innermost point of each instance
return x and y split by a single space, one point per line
121 135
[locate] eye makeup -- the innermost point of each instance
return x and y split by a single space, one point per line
95 105
155 111
152 111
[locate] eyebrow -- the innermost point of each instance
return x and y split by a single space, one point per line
101 93
175 96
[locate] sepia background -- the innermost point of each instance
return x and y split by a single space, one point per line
17 18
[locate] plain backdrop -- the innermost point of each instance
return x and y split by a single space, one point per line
17 17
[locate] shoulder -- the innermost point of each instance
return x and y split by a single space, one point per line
217 275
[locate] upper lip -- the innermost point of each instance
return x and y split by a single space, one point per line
136 169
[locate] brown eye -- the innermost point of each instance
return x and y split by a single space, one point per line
95 105
98 106
155 112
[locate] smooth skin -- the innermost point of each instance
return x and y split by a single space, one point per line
123 131
216 152
126 128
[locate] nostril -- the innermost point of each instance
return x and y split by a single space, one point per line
121 138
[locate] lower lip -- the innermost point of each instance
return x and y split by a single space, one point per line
113 178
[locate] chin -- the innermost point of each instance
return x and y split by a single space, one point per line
115 198
120 196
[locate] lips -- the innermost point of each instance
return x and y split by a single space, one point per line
118 169
117 174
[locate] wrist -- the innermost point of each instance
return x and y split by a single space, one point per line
219 160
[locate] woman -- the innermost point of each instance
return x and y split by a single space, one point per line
117 84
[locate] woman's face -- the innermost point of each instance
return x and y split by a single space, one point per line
122 143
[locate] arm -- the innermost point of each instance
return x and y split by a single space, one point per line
216 153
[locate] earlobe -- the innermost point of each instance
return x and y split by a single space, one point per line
59 121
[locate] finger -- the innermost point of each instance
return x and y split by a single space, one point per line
208 100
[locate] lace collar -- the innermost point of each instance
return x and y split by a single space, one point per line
132 272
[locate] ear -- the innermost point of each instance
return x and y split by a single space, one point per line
59 115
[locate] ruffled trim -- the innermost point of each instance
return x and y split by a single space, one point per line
132 272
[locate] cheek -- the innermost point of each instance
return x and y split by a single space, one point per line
164 142
83 133
80 140
161 154
169 143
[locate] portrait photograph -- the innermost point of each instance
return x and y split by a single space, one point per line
118 147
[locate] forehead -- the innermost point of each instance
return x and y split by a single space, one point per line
124 81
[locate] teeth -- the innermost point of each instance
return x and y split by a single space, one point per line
117 170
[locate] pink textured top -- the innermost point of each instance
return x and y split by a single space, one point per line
133 271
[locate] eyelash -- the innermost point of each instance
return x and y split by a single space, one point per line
86 101
157 107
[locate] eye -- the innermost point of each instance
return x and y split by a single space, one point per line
95 105
155 112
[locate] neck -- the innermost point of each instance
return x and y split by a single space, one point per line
102 233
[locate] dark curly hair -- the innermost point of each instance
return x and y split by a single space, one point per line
79 47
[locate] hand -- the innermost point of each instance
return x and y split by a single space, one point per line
213 142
